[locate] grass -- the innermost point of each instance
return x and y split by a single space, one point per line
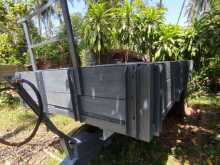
209 100
16 116
16 124
196 140
16 119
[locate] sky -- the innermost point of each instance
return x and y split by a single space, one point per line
173 11
172 14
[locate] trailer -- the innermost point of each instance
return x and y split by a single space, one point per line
131 99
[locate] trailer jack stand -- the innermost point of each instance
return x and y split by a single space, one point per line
88 144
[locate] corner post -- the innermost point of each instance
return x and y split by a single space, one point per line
70 35
75 58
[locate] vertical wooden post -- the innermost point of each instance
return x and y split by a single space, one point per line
76 82
70 35
72 44
161 4
29 45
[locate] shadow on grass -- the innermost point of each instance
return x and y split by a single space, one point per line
193 141
27 117
24 121
15 132
199 142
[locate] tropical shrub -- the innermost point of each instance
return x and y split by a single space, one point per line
205 42
124 25
168 44
146 26
131 26
12 44
96 28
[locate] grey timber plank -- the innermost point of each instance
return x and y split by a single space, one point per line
112 108
53 109
30 76
59 99
104 81
156 96
131 87
103 124
56 80
144 102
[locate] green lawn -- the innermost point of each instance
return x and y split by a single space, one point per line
206 100
16 124
196 140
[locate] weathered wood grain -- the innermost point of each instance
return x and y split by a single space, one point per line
111 108
104 81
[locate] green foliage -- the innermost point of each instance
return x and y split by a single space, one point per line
206 78
169 42
6 48
208 30
146 24
97 28
124 25
206 49
197 8
8 100
76 20
137 27
12 41
130 26
7 97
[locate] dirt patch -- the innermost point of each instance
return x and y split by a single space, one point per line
194 140
34 152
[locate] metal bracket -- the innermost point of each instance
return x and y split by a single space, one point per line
87 147
106 135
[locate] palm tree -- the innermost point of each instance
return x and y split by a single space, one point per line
96 28
45 19
181 11
196 8
161 4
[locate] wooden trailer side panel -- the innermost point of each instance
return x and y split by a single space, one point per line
130 99
103 100
30 76
104 81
